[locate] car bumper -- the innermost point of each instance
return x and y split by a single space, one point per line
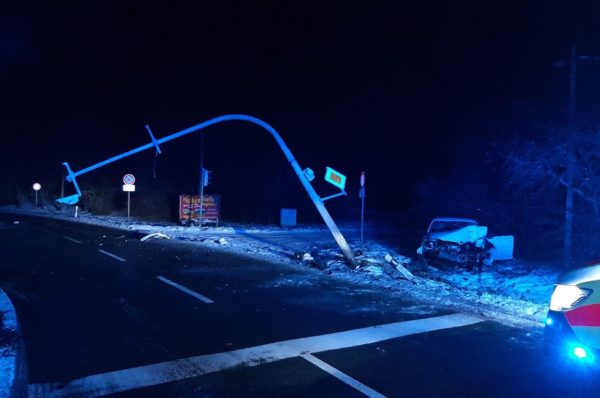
561 340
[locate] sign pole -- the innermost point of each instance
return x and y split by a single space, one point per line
362 205
128 204
202 181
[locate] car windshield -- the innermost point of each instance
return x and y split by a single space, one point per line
445 226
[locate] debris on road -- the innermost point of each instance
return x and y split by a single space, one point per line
155 235
308 257
373 270
222 241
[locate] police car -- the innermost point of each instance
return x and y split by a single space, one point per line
573 321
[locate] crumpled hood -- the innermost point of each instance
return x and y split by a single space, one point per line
469 233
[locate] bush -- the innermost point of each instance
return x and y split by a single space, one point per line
98 199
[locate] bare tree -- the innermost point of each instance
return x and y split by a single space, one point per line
564 160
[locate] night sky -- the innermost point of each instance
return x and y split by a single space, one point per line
403 90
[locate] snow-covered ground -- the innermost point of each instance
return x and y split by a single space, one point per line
513 292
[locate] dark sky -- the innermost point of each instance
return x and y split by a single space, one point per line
399 89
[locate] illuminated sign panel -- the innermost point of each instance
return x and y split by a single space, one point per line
189 207
335 178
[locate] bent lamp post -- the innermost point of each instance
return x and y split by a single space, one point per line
317 200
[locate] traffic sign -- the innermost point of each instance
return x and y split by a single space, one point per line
335 178
128 188
128 179
362 179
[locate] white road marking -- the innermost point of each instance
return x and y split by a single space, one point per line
72 240
338 374
111 255
185 290
180 369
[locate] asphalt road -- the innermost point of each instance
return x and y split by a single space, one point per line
103 313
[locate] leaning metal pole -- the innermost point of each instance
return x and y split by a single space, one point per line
318 202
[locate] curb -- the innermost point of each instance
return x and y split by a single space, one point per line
13 380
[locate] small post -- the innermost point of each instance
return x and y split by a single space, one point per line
36 188
362 193
76 211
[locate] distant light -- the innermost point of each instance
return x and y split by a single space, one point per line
580 352
37 187
549 321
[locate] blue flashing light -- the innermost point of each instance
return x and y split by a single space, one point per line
549 321
580 353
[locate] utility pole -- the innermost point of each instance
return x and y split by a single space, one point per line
568 242
570 166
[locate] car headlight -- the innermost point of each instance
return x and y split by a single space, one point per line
566 297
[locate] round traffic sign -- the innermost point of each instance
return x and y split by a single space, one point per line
37 186
128 179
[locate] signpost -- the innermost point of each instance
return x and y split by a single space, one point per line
361 194
129 187
36 188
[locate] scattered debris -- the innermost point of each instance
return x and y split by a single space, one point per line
373 270
221 241
400 267
307 257
155 235
15 222
513 288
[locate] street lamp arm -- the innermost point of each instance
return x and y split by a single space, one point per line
318 202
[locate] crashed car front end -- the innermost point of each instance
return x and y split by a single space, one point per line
468 253
463 241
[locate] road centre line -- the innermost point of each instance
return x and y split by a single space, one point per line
338 374
184 368
72 240
111 255
185 290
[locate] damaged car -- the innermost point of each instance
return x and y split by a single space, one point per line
464 241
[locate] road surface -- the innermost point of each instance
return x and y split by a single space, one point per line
103 313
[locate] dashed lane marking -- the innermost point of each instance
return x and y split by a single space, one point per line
111 255
185 290
72 240
338 374
180 369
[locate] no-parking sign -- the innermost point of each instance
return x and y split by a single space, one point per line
128 179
